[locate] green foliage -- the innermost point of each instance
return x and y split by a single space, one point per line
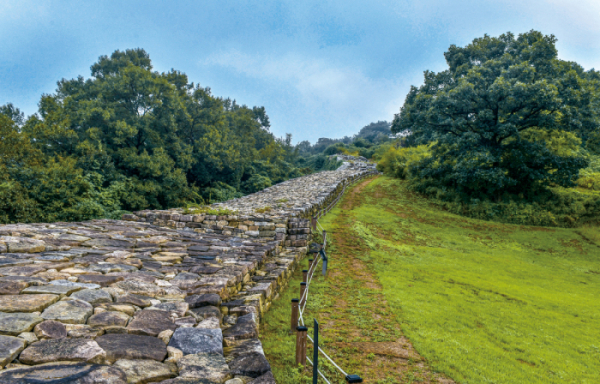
505 118
130 138
398 162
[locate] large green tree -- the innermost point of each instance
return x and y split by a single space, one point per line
492 113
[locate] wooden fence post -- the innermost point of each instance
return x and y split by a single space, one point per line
294 323
301 345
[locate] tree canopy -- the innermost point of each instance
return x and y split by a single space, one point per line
506 117
130 138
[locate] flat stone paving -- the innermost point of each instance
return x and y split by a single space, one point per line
148 299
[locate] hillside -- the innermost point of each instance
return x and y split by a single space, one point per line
481 302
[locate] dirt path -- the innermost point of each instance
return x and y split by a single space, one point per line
360 326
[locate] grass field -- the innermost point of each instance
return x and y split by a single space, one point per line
480 302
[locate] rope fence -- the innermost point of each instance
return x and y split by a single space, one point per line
299 305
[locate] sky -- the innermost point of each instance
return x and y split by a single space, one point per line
320 68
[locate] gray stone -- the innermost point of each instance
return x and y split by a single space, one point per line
206 312
210 323
68 283
108 319
84 331
64 373
245 328
10 347
61 290
252 364
93 296
207 366
124 346
46 351
21 271
185 322
108 243
137 287
267 378
23 244
102 280
145 371
69 311
197 340
137 300
15 323
50 329
150 323
197 301
174 308
26 303
12 287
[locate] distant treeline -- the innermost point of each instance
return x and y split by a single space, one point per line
130 138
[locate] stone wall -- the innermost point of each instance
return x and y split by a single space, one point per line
158 296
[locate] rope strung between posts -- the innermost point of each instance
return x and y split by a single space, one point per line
320 373
328 358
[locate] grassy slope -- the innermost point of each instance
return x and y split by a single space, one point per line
482 302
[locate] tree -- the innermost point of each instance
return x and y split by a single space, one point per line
487 116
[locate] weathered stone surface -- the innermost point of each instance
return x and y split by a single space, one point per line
21 271
73 284
12 287
207 366
174 309
185 322
47 351
50 329
64 373
22 244
108 319
145 371
245 328
15 323
93 296
198 301
206 312
10 347
197 340
101 280
267 378
137 300
108 243
209 323
124 346
150 322
26 303
252 365
61 290
69 311
83 331
137 287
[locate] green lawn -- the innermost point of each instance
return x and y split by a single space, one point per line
482 302
485 302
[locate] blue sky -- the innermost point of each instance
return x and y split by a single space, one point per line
321 68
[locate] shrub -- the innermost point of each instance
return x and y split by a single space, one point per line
397 162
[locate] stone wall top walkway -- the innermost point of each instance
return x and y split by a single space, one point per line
159 297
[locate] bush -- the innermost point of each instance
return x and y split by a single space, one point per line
397 162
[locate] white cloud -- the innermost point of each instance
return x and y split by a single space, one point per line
329 92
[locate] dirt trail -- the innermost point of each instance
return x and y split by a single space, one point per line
361 321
